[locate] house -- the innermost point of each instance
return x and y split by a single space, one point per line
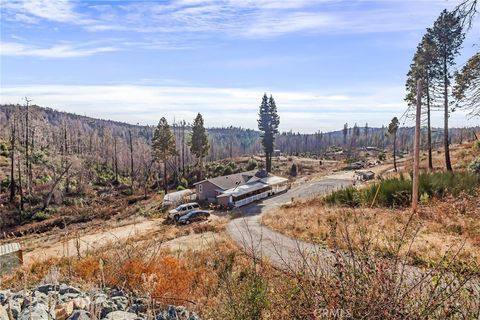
209 189
244 188
11 256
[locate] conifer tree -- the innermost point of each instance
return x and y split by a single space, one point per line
199 145
268 123
467 86
392 130
448 35
163 147
425 67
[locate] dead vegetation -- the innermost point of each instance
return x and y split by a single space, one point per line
444 224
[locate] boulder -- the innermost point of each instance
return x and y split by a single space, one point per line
64 289
81 303
121 302
64 310
46 288
3 312
80 315
36 311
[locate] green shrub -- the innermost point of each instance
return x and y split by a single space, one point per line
4 150
228 170
382 156
476 145
475 165
40 216
252 164
397 192
183 182
294 170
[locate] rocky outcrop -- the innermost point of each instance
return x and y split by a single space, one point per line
65 302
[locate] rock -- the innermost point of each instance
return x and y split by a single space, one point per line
4 296
121 315
64 310
117 293
81 303
14 307
3 313
68 289
36 311
46 288
177 313
80 315
137 308
104 305
69 296
121 303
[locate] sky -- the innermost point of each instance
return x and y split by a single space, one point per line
326 62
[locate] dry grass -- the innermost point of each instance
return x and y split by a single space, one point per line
441 226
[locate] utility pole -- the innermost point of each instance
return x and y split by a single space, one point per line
416 146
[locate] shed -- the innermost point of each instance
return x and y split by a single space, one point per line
365 175
11 256
178 197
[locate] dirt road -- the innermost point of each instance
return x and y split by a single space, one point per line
71 244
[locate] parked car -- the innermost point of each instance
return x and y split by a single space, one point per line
182 210
197 215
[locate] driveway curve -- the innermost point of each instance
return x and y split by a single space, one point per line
261 242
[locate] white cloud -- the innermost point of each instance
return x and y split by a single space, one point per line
304 111
64 50
247 18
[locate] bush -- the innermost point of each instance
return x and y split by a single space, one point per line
397 192
294 170
475 165
382 156
228 170
252 164
476 145
40 216
4 150
183 183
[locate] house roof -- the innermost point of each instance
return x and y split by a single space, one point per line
9 248
230 181
243 189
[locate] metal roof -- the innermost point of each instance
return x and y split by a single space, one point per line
243 189
230 181
9 248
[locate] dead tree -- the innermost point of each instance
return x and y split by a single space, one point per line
12 158
48 198
131 161
27 156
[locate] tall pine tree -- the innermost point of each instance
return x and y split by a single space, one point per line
199 143
448 35
268 123
425 67
467 86
163 147
392 130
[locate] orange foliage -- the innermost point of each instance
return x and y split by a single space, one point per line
87 268
163 278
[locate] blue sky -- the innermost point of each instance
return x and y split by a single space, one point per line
326 62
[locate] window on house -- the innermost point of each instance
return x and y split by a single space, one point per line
200 188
